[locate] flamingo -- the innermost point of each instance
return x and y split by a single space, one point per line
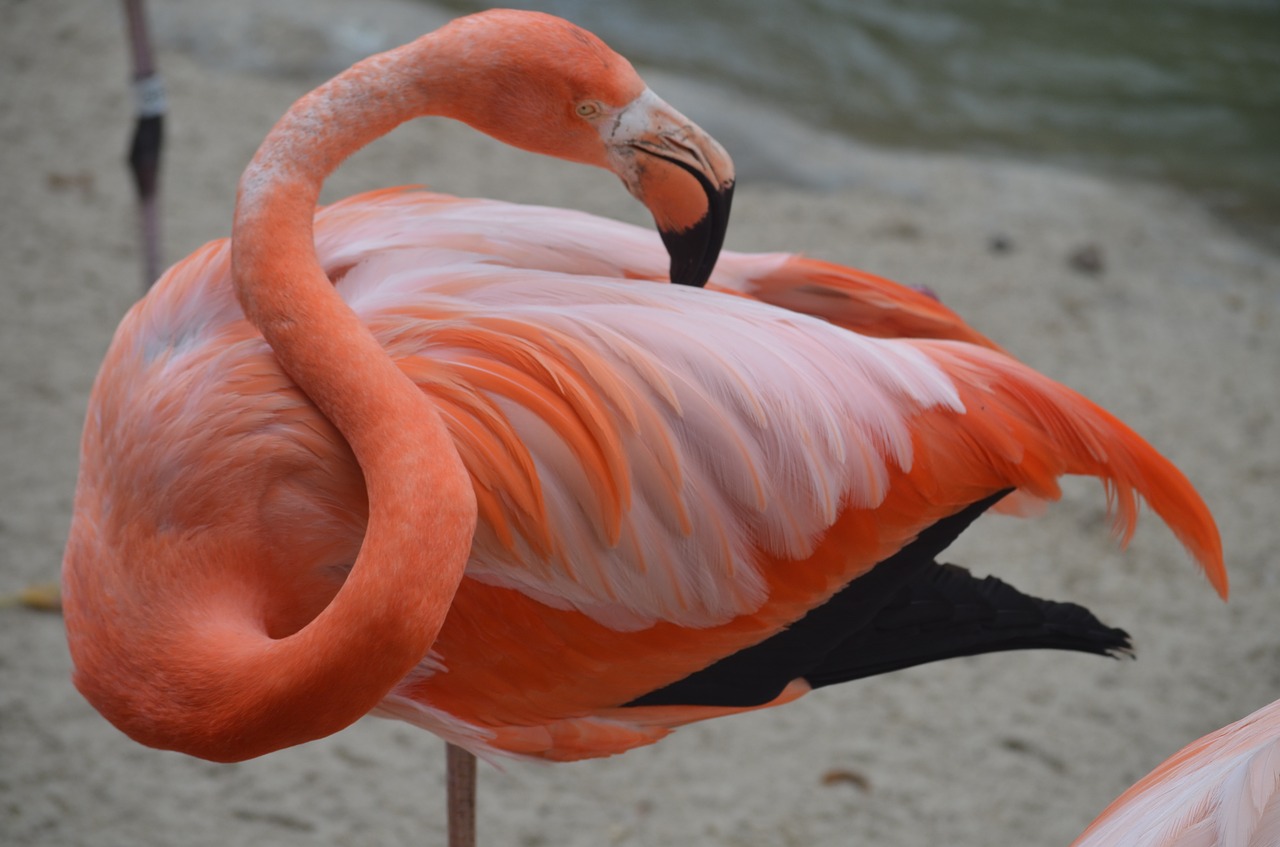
493 481
1221 790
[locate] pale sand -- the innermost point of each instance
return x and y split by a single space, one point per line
1178 336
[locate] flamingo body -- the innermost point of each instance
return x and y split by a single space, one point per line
614 552
1222 790
467 465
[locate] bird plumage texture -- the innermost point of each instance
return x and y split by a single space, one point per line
642 454
481 468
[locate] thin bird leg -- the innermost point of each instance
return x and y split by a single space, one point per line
460 780
148 137
144 161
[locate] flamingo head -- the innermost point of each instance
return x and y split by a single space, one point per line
542 84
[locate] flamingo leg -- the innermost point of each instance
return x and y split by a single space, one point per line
148 136
460 781
144 162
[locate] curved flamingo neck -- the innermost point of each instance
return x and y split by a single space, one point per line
421 505
319 341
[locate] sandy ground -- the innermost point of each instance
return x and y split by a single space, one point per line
1177 334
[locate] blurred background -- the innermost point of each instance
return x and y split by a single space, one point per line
833 113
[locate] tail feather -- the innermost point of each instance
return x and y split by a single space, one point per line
1041 430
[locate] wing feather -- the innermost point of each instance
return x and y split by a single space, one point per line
762 444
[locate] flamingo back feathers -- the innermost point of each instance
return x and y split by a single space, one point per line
781 435
656 385
567 241
629 396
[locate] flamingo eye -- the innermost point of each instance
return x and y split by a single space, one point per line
588 109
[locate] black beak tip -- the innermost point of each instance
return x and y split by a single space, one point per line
694 251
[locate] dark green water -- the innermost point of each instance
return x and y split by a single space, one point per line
1179 91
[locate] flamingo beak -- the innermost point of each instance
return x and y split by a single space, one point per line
682 175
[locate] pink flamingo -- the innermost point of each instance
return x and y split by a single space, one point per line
347 462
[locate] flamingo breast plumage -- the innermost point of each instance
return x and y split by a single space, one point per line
478 467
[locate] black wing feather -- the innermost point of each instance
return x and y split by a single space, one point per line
907 611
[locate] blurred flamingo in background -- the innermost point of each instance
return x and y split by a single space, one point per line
1222 790
489 480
